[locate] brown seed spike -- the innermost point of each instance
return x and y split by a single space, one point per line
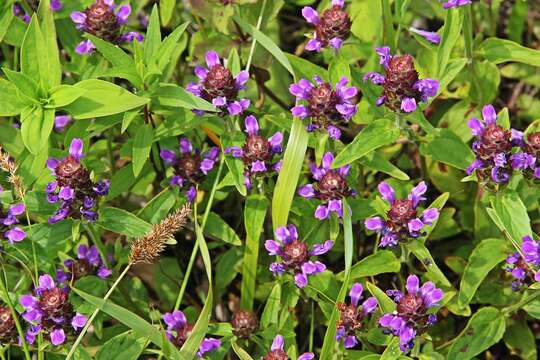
149 247
8 165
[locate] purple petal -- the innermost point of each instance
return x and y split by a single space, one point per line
375 223
408 104
327 160
311 15
16 209
122 14
76 148
412 284
168 156
252 126
336 43
350 341
85 47
416 193
78 18
319 249
241 78
46 282
386 191
273 247
283 234
28 301
489 115
369 305
430 215
300 280
476 126
78 321
384 55
300 111
206 165
306 356
374 77
212 59
278 343
258 166
321 212
333 132
335 206
15 235
338 3
415 225
306 191
207 345
430 36
314 45
356 293
275 141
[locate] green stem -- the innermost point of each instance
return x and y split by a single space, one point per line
196 246
15 316
94 314
510 309
254 43
110 151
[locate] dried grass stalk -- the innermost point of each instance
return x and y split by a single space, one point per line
8 165
149 247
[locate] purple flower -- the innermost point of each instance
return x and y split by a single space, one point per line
61 121
295 255
402 220
403 89
329 186
493 149
352 317
524 267
257 153
456 3
190 165
277 351
178 330
430 36
331 28
103 19
48 310
326 107
411 316
8 223
88 262
528 159
77 193
218 85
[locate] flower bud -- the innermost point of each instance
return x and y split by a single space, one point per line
244 323
101 21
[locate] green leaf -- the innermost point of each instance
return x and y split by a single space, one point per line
102 98
168 46
254 215
446 147
218 228
386 304
10 104
510 215
485 256
376 161
176 96
233 62
381 262
267 43
142 144
166 8
422 254
289 174
338 68
156 209
241 353
379 133
484 329
235 165
5 22
519 338
271 308
392 351
36 127
126 346
50 45
122 222
501 50
152 40
31 59
27 89
305 69
63 95
450 35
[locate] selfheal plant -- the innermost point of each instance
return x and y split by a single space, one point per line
411 316
88 262
295 255
402 89
402 221
218 86
331 28
190 165
8 223
103 19
493 149
353 318
48 311
178 330
329 186
277 351
258 154
327 108
77 193
523 266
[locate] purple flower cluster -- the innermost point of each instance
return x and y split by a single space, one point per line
523 268
331 28
103 19
277 351
402 89
295 255
73 188
330 186
48 310
190 165
178 330
218 86
8 223
493 149
327 108
258 153
352 318
411 316
456 3
528 158
88 262
402 221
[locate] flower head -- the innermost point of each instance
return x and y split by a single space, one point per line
456 3
8 223
277 351
352 316
258 153
190 165
77 194
102 19
331 28
329 186
326 107
8 331
411 316
402 89
402 220
244 323
48 310
524 269
178 330
218 86
88 262
295 255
